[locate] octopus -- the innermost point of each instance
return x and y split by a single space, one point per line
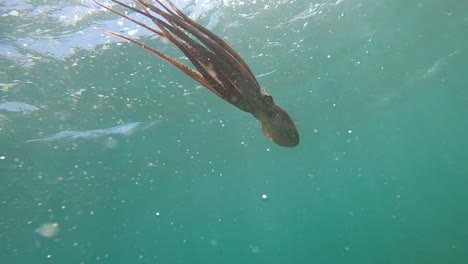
216 65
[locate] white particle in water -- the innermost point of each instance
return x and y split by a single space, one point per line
214 242
264 196
255 249
132 32
157 213
48 230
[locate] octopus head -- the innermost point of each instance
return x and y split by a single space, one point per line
279 127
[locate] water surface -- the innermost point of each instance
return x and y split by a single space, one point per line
378 91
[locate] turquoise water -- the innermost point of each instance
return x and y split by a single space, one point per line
110 155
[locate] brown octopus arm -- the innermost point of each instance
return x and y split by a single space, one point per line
204 79
216 65
212 60
212 41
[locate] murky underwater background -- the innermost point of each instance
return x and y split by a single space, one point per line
110 155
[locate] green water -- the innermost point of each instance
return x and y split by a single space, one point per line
378 90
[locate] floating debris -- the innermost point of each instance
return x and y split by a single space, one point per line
17 107
48 230
124 129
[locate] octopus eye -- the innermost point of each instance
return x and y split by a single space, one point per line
268 98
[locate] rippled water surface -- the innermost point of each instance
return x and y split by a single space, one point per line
110 155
